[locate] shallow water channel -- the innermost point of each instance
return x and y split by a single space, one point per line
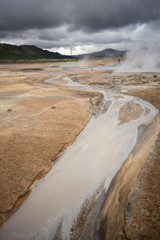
84 170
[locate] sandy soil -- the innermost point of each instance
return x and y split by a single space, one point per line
39 120
131 209
142 213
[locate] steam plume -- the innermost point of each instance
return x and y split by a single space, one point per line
146 59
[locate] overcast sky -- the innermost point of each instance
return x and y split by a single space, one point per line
80 26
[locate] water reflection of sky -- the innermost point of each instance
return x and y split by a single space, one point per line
115 68
86 67
122 68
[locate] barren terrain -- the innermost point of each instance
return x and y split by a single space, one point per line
37 122
39 119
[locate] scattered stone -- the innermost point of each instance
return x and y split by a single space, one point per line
53 107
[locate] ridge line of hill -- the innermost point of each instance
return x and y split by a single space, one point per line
14 53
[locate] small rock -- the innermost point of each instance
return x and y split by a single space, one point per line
53 107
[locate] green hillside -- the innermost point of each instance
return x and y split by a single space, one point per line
25 52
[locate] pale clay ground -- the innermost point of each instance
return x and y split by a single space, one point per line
39 120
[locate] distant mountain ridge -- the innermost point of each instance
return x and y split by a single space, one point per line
26 52
105 53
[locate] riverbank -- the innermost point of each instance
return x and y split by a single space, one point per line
40 119
37 121
131 207
143 202
136 216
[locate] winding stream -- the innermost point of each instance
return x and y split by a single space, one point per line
85 169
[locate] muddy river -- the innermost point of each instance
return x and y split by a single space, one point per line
83 171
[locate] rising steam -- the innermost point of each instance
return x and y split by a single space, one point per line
146 59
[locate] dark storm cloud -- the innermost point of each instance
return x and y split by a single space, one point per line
97 15
82 24
89 15
31 14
